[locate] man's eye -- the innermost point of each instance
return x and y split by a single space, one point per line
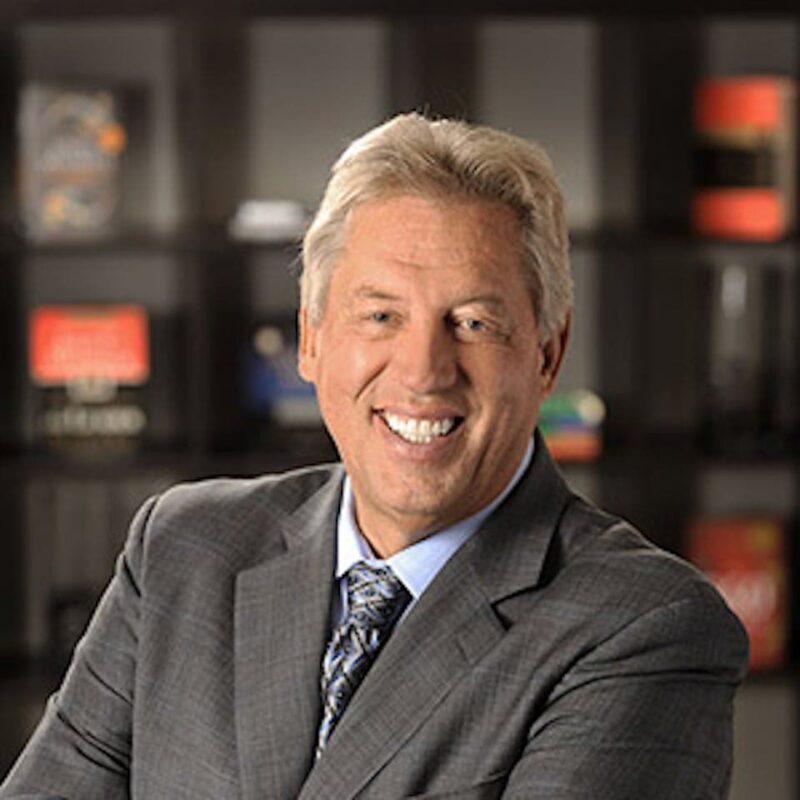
478 329
379 316
473 324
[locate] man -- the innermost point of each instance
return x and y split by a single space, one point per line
441 616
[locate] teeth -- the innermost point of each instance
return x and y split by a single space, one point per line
419 431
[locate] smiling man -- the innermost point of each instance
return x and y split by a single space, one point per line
428 362
438 616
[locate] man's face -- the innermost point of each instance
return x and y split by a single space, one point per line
427 362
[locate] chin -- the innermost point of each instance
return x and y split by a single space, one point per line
423 505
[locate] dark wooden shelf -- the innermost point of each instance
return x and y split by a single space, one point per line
216 242
191 243
287 451
21 11
670 238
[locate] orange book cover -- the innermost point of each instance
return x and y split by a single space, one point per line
69 343
747 560
745 164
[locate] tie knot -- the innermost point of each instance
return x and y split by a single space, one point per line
375 595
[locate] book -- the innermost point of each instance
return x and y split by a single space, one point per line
736 396
572 425
747 559
274 392
71 142
749 384
88 364
268 221
745 180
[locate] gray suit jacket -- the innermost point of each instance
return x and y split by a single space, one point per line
557 655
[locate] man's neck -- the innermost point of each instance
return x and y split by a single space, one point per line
388 534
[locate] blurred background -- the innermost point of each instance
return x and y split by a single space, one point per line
157 168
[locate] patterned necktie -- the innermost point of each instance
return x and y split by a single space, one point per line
376 599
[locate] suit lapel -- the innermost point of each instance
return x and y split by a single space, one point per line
510 552
281 625
453 626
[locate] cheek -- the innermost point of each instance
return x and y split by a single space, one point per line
365 360
502 372
350 367
511 393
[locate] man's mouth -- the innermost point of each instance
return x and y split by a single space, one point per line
419 430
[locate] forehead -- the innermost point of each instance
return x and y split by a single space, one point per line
476 238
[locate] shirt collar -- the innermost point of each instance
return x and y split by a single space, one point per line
417 565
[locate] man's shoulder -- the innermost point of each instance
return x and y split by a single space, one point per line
625 594
284 491
605 556
234 519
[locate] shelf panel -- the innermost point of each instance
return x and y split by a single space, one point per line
192 243
66 9
216 243
660 239
286 452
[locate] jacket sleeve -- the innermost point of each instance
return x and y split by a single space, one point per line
645 714
81 749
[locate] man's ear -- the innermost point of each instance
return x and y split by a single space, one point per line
307 347
553 351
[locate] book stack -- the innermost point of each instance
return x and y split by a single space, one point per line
572 425
745 175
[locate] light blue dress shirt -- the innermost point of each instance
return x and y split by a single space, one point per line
417 565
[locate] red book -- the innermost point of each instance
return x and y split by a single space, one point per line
71 343
747 560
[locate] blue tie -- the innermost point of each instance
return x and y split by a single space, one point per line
376 599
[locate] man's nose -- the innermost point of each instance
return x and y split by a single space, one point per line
426 357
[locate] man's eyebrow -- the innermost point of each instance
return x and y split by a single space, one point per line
493 300
369 292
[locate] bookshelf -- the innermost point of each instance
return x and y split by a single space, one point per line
254 100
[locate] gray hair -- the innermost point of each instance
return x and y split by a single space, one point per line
411 154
